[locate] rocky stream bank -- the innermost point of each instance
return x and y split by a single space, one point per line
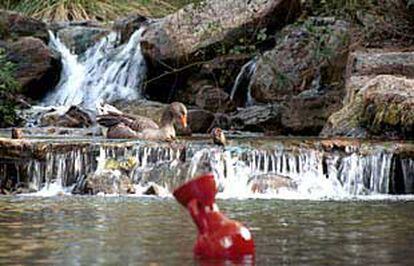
278 67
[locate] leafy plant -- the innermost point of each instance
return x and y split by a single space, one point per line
8 87
7 81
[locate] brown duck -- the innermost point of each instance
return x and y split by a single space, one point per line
218 136
125 126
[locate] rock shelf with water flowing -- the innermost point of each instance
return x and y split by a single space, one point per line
298 169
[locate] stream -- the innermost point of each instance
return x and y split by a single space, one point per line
151 231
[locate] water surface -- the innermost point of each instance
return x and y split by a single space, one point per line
148 231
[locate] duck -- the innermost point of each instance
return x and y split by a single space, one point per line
218 136
125 126
16 133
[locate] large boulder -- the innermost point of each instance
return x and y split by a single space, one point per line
198 29
306 73
384 107
37 67
14 25
312 55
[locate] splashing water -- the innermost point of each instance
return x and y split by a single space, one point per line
104 73
281 171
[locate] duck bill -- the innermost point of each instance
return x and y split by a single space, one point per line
183 121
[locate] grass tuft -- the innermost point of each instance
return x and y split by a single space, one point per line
101 10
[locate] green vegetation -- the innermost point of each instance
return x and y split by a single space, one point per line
340 8
103 10
7 68
8 87
378 23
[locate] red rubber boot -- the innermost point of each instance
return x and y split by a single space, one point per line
218 236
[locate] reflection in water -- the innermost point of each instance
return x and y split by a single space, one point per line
121 230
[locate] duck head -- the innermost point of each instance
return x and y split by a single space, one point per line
179 113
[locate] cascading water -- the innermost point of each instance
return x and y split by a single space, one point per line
104 73
242 85
279 171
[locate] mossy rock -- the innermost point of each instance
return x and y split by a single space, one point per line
383 108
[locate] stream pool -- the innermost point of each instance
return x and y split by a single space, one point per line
83 230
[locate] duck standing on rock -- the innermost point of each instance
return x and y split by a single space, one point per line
125 126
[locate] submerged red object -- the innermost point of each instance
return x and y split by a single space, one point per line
218 236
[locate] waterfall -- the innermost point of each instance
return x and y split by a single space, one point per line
280 171
242 85
104 73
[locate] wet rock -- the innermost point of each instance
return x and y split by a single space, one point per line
105 182
200 120
155 190
83 117
73 117
37 67
127 26
79 38
196 28
384 107
271 183
14 25
214 100
259 118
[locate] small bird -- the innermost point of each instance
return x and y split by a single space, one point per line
125 126
218 136
16 133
